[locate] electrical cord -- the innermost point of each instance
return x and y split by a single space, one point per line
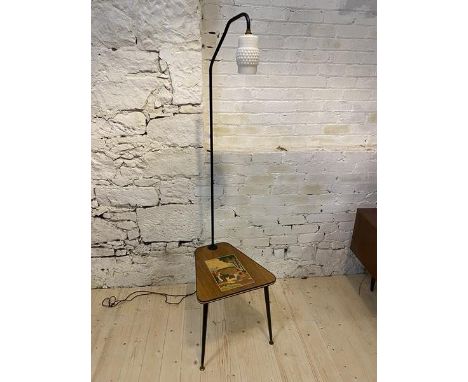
112 301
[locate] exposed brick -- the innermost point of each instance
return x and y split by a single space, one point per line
294 148
283 240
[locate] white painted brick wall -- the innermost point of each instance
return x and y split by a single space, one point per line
314 95
315 84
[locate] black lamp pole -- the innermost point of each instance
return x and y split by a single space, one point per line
213 246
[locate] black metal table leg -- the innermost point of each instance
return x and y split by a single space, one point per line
205 317
267 303
372 284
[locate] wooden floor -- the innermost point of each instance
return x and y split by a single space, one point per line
322 328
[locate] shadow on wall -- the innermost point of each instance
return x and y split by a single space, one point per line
350 6
293 212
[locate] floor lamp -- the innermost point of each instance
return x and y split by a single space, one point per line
247 60
250 275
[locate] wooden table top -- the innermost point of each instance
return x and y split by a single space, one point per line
207 288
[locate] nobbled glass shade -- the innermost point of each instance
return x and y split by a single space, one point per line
247 55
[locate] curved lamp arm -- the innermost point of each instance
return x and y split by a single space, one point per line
247 31
213 246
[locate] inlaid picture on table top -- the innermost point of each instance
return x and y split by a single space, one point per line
228 272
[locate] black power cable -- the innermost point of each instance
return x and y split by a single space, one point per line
112 301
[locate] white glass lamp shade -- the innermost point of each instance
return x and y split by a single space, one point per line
247 54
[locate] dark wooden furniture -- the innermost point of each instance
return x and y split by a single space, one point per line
364 242
208 291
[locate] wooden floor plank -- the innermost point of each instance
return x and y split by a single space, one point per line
290 355
156 337
218 353
315 347
136 345
362 322
359 324
100 316
337 328
103 322
250 354
114 347
172 351
131 353
191 339
364 315
265 352
323 328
